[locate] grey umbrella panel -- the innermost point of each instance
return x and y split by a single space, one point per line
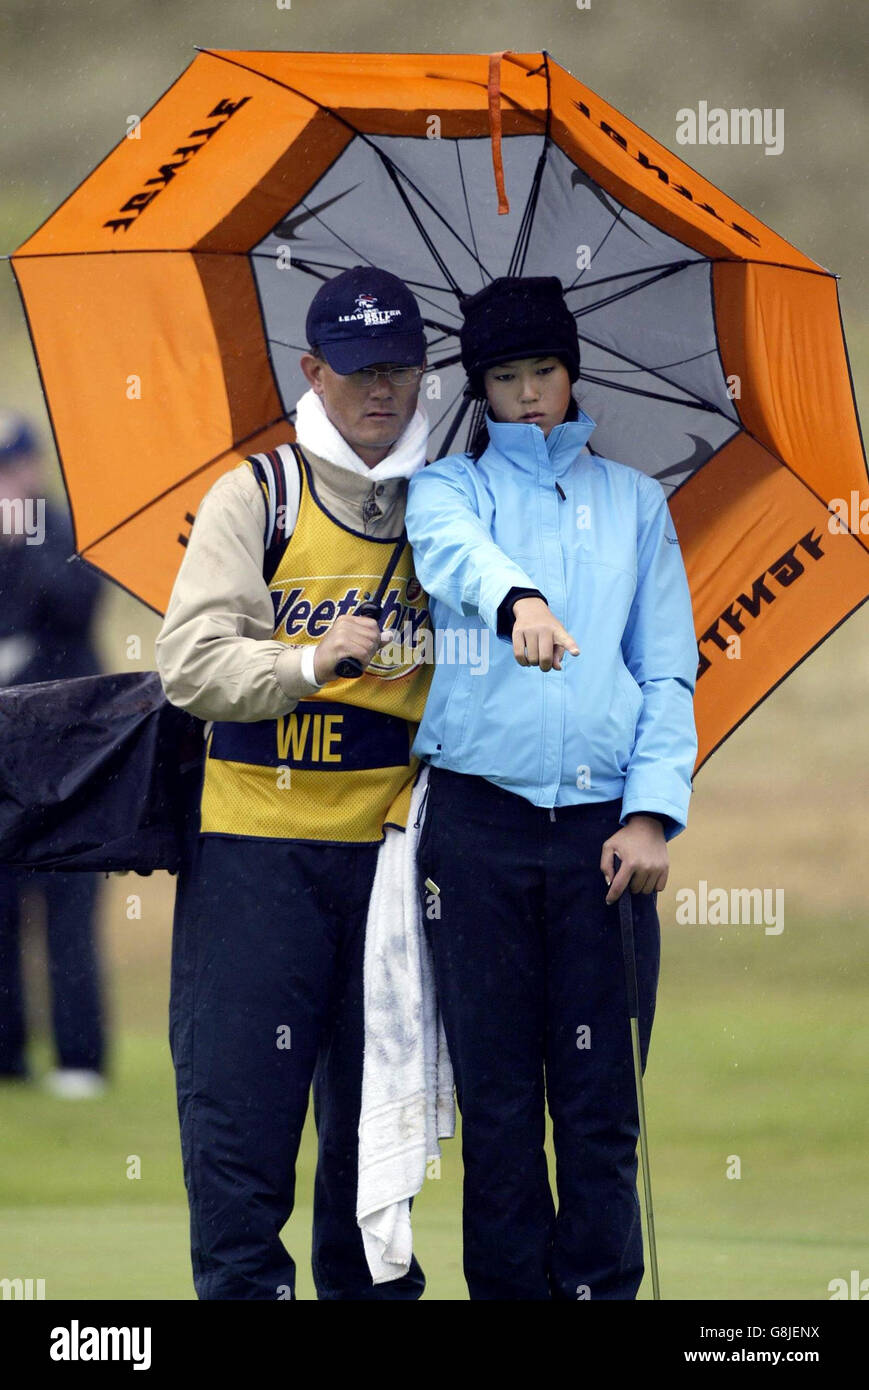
651 374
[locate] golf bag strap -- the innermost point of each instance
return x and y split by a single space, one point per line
270 470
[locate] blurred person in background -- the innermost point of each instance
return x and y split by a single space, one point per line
46 613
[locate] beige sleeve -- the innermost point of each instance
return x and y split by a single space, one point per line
215 652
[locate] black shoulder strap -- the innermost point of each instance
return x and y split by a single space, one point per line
269 470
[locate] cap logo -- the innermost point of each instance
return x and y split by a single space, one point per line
367 312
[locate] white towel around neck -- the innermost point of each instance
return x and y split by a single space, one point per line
315 431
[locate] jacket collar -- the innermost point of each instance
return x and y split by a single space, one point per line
357 500
530 449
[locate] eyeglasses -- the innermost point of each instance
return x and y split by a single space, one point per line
399 376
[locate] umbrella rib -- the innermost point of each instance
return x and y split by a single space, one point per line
417 222
394 171
483 271
450 361
663 366
652 371
291 347
610 229
352 249
294 347
309 267
697 403
516 263
437 423
523 236
332 265
478 416
444 334
640 270
391 168
457 421
628 290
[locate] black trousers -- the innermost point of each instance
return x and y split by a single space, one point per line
73 966
266 996
531 986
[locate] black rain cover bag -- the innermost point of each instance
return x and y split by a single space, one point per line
100 773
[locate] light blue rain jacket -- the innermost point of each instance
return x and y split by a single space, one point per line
618 720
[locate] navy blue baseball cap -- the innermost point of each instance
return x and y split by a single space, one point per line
363 316
17 437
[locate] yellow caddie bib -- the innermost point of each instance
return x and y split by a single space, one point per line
338 768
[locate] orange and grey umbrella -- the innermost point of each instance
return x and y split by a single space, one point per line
167 298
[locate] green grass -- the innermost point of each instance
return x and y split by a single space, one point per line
759 1052
71 1215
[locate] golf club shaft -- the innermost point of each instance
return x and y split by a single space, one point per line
644 1157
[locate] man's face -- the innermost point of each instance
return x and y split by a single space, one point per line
369 416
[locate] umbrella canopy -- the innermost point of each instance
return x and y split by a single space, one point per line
167 298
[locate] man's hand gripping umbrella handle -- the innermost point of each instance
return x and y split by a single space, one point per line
348 668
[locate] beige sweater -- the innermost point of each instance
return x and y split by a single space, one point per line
215 652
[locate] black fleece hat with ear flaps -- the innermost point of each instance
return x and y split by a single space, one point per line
516 316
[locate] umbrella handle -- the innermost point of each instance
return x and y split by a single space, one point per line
348 668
